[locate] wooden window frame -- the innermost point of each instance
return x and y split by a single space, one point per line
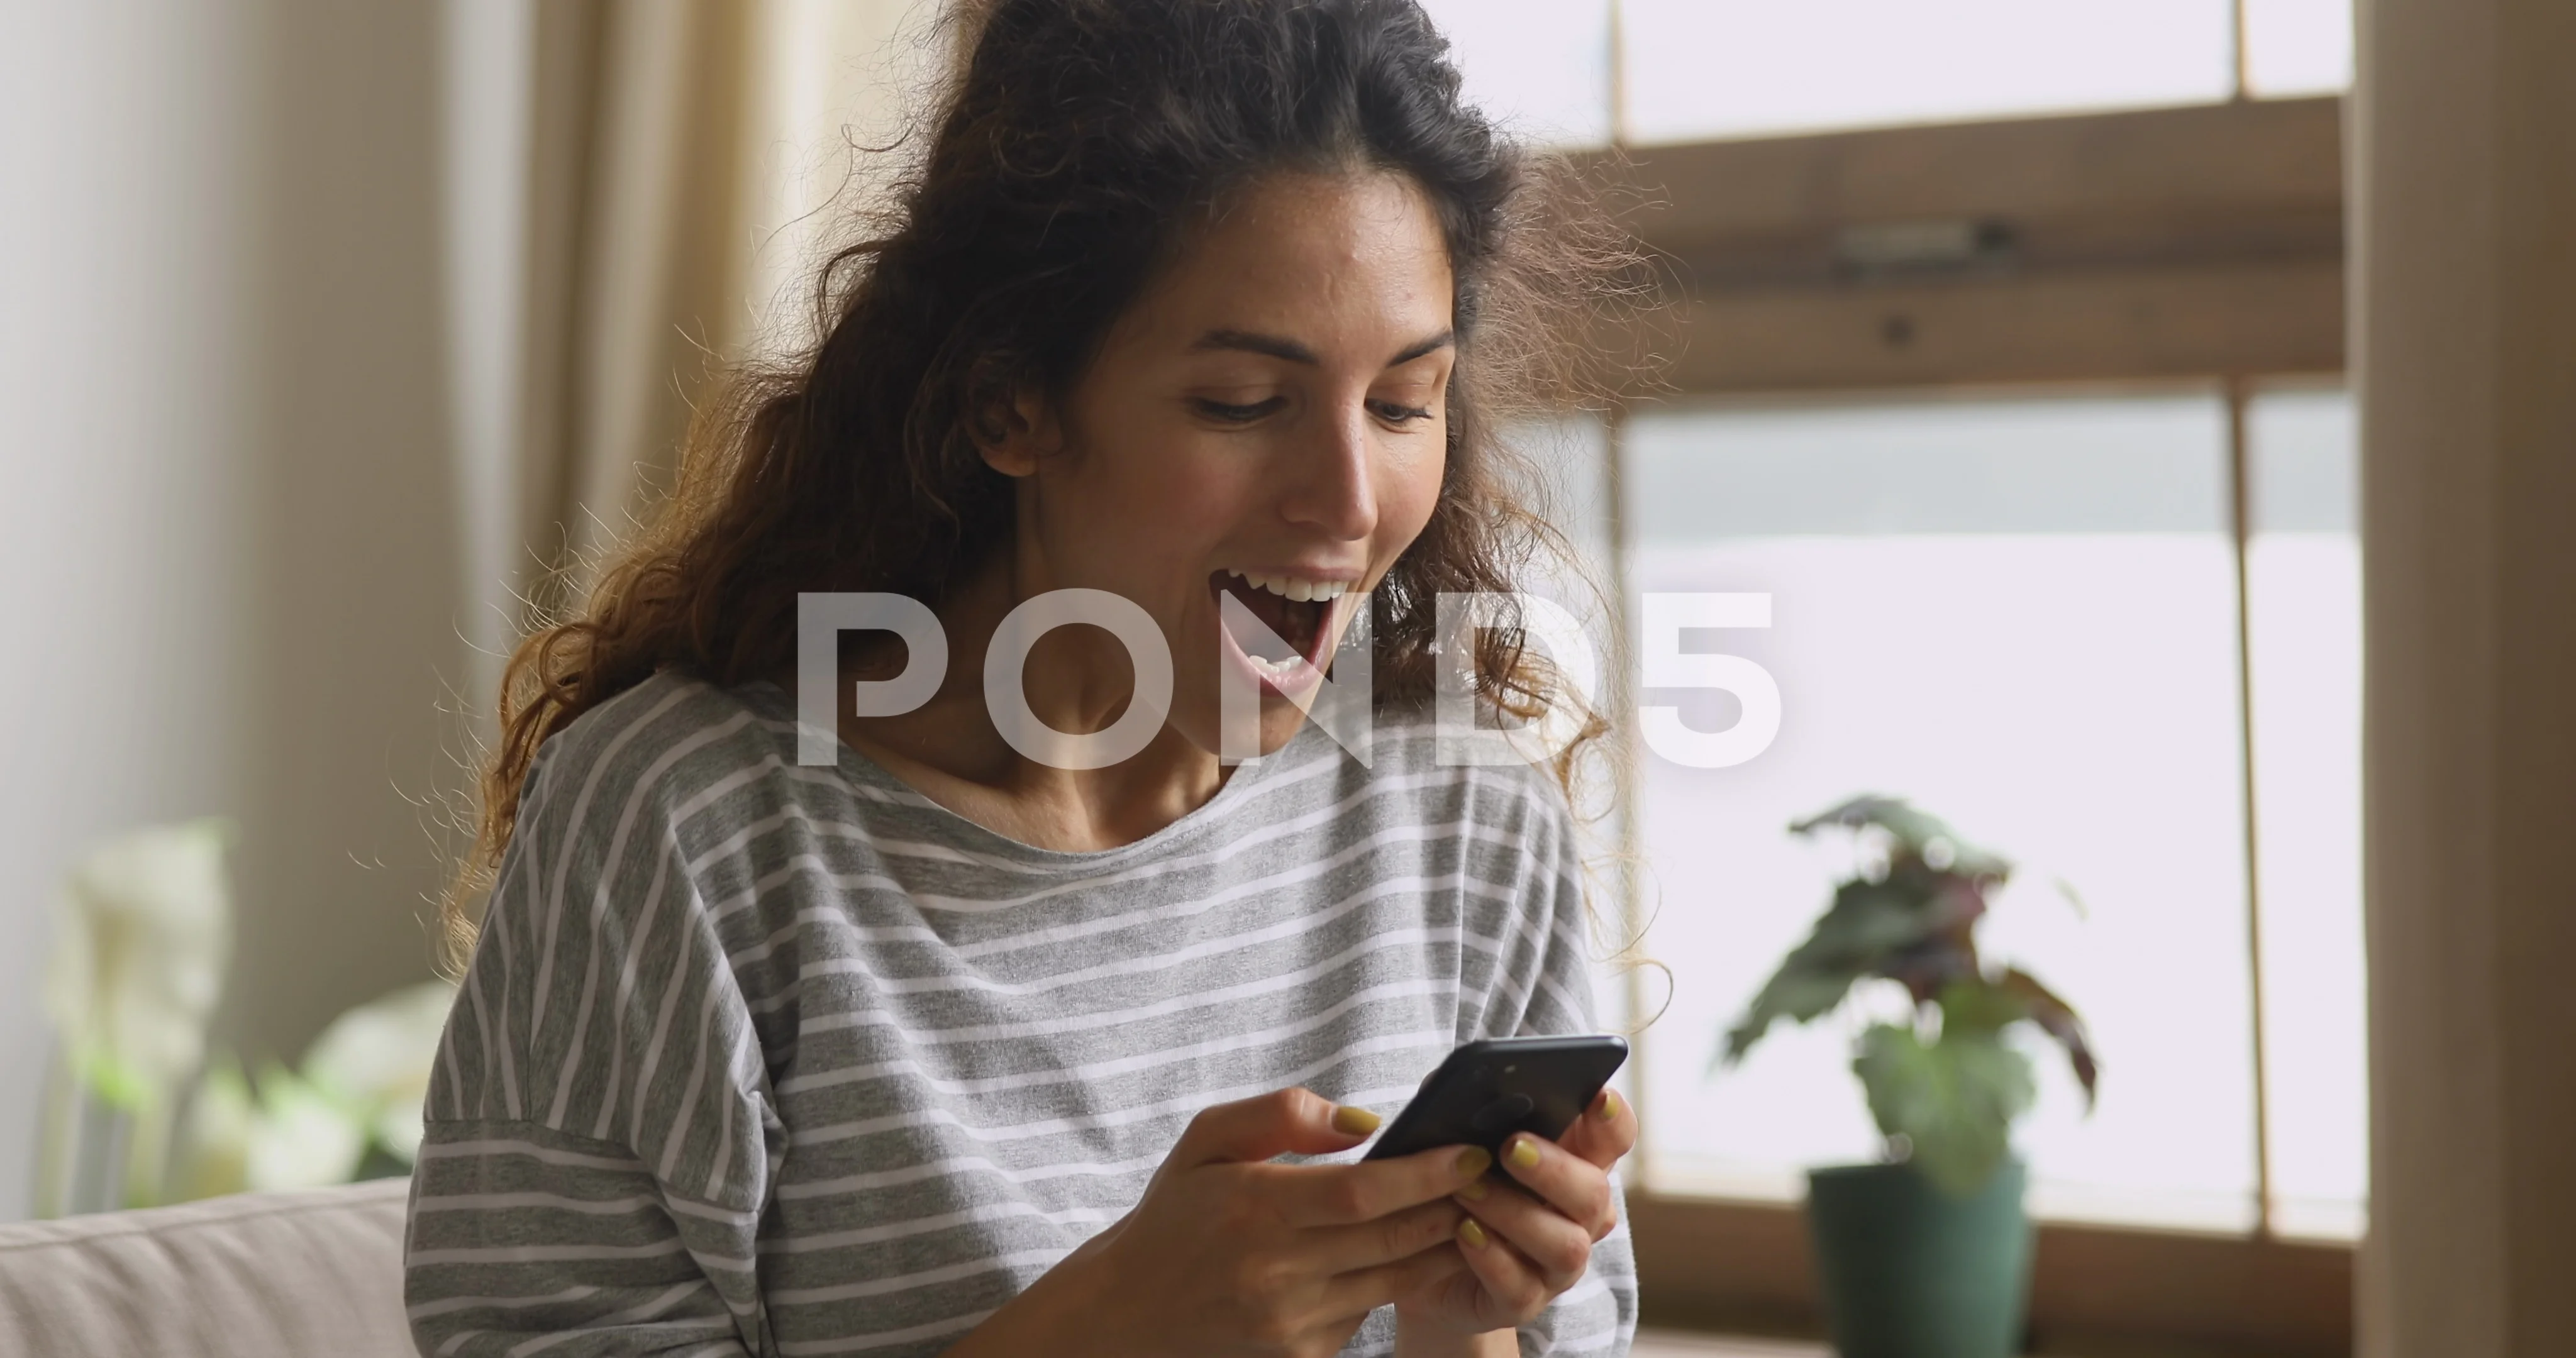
1746 1268
2197 244
2204 241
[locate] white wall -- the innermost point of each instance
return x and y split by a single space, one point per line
129 151
227 523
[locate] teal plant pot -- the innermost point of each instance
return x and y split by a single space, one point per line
1910 1272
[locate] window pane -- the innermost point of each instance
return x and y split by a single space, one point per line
2021 614
1723 68
2297 46
2304 603
1541 67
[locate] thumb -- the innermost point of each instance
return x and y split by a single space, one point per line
1603 1133
1287 1122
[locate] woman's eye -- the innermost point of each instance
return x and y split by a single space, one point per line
1396 412
1225 412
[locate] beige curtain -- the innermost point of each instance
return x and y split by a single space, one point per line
690 161
637 115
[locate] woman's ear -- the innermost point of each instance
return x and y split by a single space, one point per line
1016 434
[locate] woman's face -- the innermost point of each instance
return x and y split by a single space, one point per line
1267 420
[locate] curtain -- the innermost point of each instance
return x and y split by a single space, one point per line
689 163
633 207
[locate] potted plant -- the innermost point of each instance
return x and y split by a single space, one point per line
1927 1254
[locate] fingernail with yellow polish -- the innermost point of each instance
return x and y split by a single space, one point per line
1355 1121
1523 1153
1609 1105
1473 1190
1471 1235
1473 1162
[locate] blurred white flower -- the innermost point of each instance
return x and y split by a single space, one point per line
142 933
363 1083
375 1061
301 1137
214 1149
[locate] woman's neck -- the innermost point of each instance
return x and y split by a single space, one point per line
1076 681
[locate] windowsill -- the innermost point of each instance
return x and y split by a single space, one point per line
1682 1344
1709 1269
1676 1344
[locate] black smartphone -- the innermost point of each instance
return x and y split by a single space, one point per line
1486 1092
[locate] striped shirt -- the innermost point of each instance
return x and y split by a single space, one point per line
755 1058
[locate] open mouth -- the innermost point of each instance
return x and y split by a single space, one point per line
1296 613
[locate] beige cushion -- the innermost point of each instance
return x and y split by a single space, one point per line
310 1274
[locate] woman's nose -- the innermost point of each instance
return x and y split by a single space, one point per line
1333 487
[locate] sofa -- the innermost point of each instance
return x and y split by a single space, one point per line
309 1274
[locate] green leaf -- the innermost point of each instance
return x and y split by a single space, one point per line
1868 923
1796 995
1953 1100
1918 834
1895 815
115 1081
2059 1020
1979 1008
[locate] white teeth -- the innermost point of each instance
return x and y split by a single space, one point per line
1295 588
1278 671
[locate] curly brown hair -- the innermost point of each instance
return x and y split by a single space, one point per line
1073 149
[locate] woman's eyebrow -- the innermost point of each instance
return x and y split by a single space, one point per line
1418 348
1273 345
1280 347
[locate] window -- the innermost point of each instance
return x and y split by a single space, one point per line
2297 47
2008 367
2022 614
1541 67
1699 69
2022 611
2303 577
1731 68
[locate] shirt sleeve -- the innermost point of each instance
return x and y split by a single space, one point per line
600 1138
1542 987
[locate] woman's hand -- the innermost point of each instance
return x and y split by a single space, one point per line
1529 1231
1230 1254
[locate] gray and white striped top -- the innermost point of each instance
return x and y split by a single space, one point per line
761 1059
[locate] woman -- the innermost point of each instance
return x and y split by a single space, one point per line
944 1049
